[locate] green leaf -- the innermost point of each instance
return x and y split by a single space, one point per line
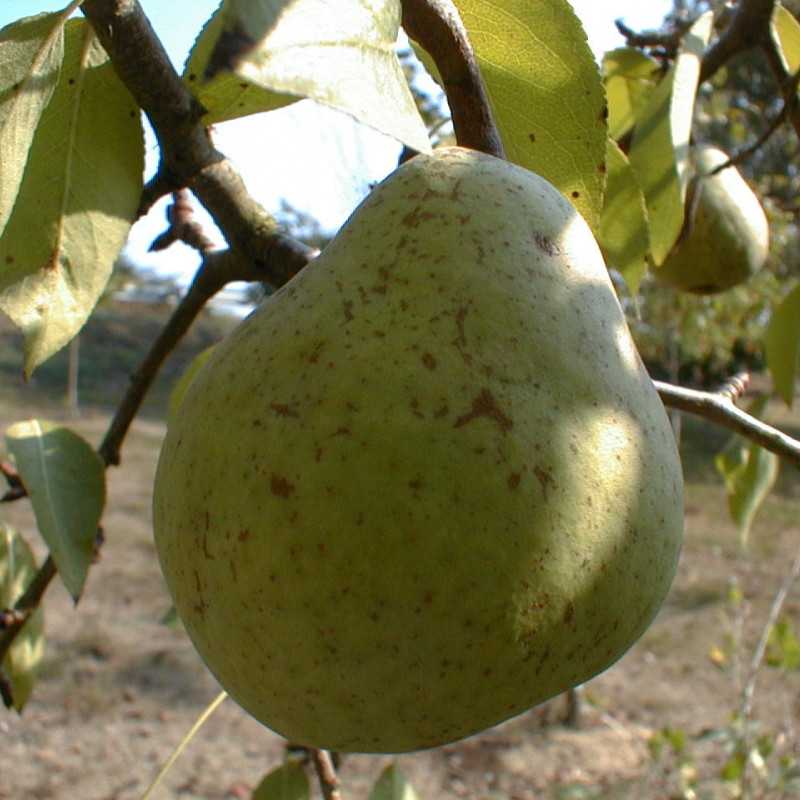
30 58
629 77
750 473
65 480
781 344
182 384
17 568
341 54
733 768
783 647
391 785
79 193
226 96
660 149
623 227
287 782
785 30
170 618
546 93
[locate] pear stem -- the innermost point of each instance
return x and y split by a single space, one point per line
437 27
326 773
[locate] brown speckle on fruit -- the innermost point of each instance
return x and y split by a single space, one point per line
545 478
485 405
546 244
280 486
283 410
428 361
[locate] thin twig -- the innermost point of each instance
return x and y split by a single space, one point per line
748 692
668 41
217 270
748 27
326 773
784 79
719 408
182 226
438 28
787 108
735 387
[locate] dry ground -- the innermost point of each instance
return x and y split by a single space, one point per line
118 689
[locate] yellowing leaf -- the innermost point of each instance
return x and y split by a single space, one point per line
65 480
718 657
781 344
750 473
660 149
629 76
78 197
17 568
226 96
785 31
545 91
623 233
341 54
30 57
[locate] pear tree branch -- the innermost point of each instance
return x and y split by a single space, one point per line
790 103
718 407
437 27
748 28
188 156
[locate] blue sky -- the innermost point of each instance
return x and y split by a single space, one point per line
319 160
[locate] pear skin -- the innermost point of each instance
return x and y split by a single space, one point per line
428 484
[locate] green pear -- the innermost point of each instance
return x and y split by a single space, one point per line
727 240
427 484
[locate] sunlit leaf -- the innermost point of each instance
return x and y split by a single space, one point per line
660 149
623 227
287 782
785 31
226 96
30 57
546 93
182 384
17 568
629 77
781 344
79 194
341 54
750 473
392 785
65 480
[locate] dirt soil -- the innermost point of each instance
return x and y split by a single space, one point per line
118 689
